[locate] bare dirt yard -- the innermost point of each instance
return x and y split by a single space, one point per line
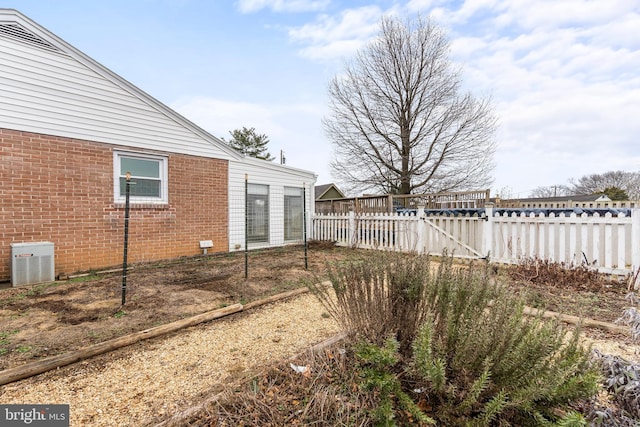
49 319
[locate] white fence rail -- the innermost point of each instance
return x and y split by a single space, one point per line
610 243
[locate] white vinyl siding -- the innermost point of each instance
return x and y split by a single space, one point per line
49 92
278 178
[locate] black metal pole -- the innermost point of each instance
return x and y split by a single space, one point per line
304 223
126 239
246 226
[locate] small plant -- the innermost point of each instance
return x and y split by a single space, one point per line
93 335
34 290
631 317
376 366
5 342
3 338
23 349
622 381
88 278
119 314
328 396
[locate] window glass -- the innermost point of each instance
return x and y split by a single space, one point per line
140 167
140 187
257 213
293 214
148 177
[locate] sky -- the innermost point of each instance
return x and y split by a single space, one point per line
563 75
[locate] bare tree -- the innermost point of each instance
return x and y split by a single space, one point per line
551 191
598 183
398 121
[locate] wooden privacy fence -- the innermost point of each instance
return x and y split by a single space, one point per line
392 202
609 242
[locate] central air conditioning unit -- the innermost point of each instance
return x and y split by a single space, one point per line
32 263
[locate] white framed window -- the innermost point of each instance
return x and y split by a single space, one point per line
293 213
149 177
257 213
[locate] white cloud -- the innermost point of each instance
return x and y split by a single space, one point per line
545 14
249 6
331 37
424 5
622 31
293 128
563 76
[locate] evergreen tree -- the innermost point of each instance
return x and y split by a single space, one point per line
250 143
615 193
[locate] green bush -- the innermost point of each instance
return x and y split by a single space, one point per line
376 369
467 353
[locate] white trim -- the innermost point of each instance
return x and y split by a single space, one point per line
164 178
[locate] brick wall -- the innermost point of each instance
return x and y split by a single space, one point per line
61 190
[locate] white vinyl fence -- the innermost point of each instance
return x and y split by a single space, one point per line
610 243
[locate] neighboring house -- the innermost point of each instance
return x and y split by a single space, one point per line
69 131
328 191
589 201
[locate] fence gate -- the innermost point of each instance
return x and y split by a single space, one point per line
458 235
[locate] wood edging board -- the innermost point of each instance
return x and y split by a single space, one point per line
43 365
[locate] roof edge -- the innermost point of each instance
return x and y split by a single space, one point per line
8 13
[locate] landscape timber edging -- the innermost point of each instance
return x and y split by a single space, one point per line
43 365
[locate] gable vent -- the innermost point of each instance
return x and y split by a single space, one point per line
17 32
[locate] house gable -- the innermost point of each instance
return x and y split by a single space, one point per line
328 191
49 87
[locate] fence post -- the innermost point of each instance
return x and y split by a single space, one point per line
421 225
635 239
487 232
351 232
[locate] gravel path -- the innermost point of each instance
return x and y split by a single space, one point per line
153 379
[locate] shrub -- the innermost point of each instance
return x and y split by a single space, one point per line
622 381
631 318
561 275
467 353
486 363
382 294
